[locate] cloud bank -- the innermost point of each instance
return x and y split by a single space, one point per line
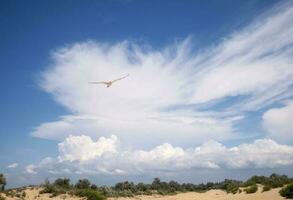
80 154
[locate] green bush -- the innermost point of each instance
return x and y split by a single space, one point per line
23 194
83 184
162 192
89 194
1 197
62 183
287 191
232 188
94 187
147 192
251 189
2 182
274 180
156 184
266 188
129 189
52 189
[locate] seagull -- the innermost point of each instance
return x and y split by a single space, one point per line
109 83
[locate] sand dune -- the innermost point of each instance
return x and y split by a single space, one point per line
213 195
33 194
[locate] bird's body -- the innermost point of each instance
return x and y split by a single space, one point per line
109 83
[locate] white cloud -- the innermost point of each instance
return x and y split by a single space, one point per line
46 164
262 153
255 61
156 102
13 165
83 148
278 122
30 169
133 106
141 130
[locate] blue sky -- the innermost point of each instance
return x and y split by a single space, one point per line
48 50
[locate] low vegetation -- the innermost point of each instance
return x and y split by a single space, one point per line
2 182
266 188
251 189
90 194
129 189
273 181
84 188
287 191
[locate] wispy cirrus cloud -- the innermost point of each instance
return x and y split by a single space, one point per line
169 92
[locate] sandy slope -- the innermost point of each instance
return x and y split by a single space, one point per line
33 194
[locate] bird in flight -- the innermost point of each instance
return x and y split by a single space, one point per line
109 83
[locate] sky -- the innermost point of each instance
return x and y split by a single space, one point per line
209 93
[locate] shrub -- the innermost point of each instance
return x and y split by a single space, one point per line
266 188
125 193
251 189
1 197
52 189
162 192
48 189
274 180
287 191
94 187
142 187
23 194
83 184
2 182
62 183
89 194
232 188
147 192
104 190
156 184
175 186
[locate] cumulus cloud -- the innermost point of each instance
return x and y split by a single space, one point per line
278 122
47 164
161 99
262 153
83 148
13 165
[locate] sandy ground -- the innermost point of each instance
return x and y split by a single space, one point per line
213 195
33 194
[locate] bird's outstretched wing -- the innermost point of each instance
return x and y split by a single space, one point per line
99 82
118 79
